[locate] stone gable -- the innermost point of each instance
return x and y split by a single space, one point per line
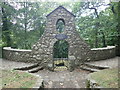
42 51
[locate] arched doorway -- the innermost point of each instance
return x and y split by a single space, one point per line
60 49
60 53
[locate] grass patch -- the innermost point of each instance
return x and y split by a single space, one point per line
16 79
107 78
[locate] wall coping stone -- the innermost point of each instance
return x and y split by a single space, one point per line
11 49
105 48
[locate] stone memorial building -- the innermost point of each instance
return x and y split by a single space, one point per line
60 27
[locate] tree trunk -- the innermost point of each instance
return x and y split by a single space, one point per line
96 38
96 34
25 23
118 27
96 26
5 29
103 39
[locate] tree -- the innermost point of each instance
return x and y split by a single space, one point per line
26 22
115 7
95 25
7 12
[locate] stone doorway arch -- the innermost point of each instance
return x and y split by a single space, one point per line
60 49
60 53
60 25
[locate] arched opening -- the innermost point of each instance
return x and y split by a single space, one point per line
60 25
60 49
60 53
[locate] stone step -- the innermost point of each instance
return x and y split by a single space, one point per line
26 67
60 68
36 69
58 62
89 69
96 66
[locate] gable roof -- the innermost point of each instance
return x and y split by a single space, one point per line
58 8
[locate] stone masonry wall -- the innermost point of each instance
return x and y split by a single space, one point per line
103 53
42 51
19 55
25 55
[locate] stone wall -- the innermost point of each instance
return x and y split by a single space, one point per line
22 55
103 53
42 51
19 55
117 50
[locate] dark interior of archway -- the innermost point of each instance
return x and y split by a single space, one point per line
60 25
60 49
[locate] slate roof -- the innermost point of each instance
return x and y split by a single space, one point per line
58 8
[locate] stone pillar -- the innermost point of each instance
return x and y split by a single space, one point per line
71 62
51 67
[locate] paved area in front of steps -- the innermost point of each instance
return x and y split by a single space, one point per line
64 79
112 63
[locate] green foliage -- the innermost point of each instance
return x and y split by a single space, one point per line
89 25
23 26
6 23
87 83
15 79
61 49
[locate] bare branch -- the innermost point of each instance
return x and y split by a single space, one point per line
95 9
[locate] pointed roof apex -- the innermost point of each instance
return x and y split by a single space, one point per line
58 8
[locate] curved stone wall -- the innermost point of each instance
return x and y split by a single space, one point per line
103 53
22 55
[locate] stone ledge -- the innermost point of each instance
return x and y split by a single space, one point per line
26 67
11 49
105 48
103 53
97 66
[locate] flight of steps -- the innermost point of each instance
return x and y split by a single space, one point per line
92 68
31 69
